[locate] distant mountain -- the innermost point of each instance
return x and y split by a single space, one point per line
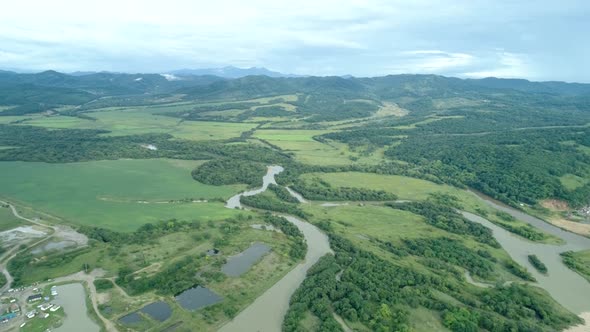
230 72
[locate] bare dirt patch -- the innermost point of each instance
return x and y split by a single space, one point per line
572 226
390 109
555 205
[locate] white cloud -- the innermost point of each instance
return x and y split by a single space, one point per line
507 65
361 37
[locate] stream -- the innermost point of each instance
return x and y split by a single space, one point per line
266 313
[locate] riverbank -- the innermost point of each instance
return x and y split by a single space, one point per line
266 313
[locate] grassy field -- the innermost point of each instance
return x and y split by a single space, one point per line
572 182
8 220
289 135
361 223
131 121
407 188
404 187
121 194
309 151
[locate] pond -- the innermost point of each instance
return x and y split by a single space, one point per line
72 298
241 263
132 318
197 297
159 311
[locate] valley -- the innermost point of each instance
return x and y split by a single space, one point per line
399 203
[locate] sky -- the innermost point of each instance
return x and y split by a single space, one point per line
536 40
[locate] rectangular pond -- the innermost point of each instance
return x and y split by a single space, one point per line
197 298
242 262
159 311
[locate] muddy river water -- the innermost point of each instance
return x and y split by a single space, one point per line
566 286
266 313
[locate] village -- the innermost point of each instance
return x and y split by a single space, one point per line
28 307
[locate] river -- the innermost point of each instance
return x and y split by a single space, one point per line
566 286
72 298
266 313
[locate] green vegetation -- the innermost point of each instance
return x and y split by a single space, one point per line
439 211
318 189
228 171
121 194
103 285
271 203
143 170
578 261
537 264
282 193
403 187
514 307
7 219
122 122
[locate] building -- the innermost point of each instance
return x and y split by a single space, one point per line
14 308
45 306
34 298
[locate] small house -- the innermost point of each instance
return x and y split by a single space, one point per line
14 308
34 298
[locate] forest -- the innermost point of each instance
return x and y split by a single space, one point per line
358 297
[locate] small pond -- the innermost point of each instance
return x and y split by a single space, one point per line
159 311
132 318
241 263
197 297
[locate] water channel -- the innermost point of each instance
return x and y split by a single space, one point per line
266 313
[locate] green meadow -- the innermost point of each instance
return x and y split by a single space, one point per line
119 194
132 122
8 220
404 187
301 144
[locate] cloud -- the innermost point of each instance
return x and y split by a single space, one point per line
435 61
467 38
507 65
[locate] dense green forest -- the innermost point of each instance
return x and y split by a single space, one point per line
359 297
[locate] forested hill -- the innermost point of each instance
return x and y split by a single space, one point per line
209 86
516 140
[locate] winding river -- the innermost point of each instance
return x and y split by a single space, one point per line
566 286
266 313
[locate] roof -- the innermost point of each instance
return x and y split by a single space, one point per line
34 297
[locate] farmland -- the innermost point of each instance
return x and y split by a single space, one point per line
120 194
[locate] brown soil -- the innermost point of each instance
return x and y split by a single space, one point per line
555 205
572 226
